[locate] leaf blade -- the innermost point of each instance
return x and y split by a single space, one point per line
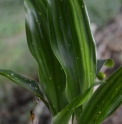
72 46
24 82
64 116
51 75
103 99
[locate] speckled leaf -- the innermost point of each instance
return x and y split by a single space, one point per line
64 116
51 74
24 82
104 101
73 44
116 105
107 62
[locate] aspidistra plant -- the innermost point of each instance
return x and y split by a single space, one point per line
59 38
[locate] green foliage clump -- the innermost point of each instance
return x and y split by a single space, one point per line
60 39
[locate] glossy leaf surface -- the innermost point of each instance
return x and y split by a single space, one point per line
51 74
104 101
24 82
115 106
64 116
73 44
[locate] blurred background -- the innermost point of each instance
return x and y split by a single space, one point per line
16 102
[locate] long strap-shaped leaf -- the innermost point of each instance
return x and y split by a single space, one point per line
104 101
64 116
24 82
51 74
115 106
72 43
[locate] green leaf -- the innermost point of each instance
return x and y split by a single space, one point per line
64 116
24 82
73 117
116 105
51 74
104 101
72 43
107 62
